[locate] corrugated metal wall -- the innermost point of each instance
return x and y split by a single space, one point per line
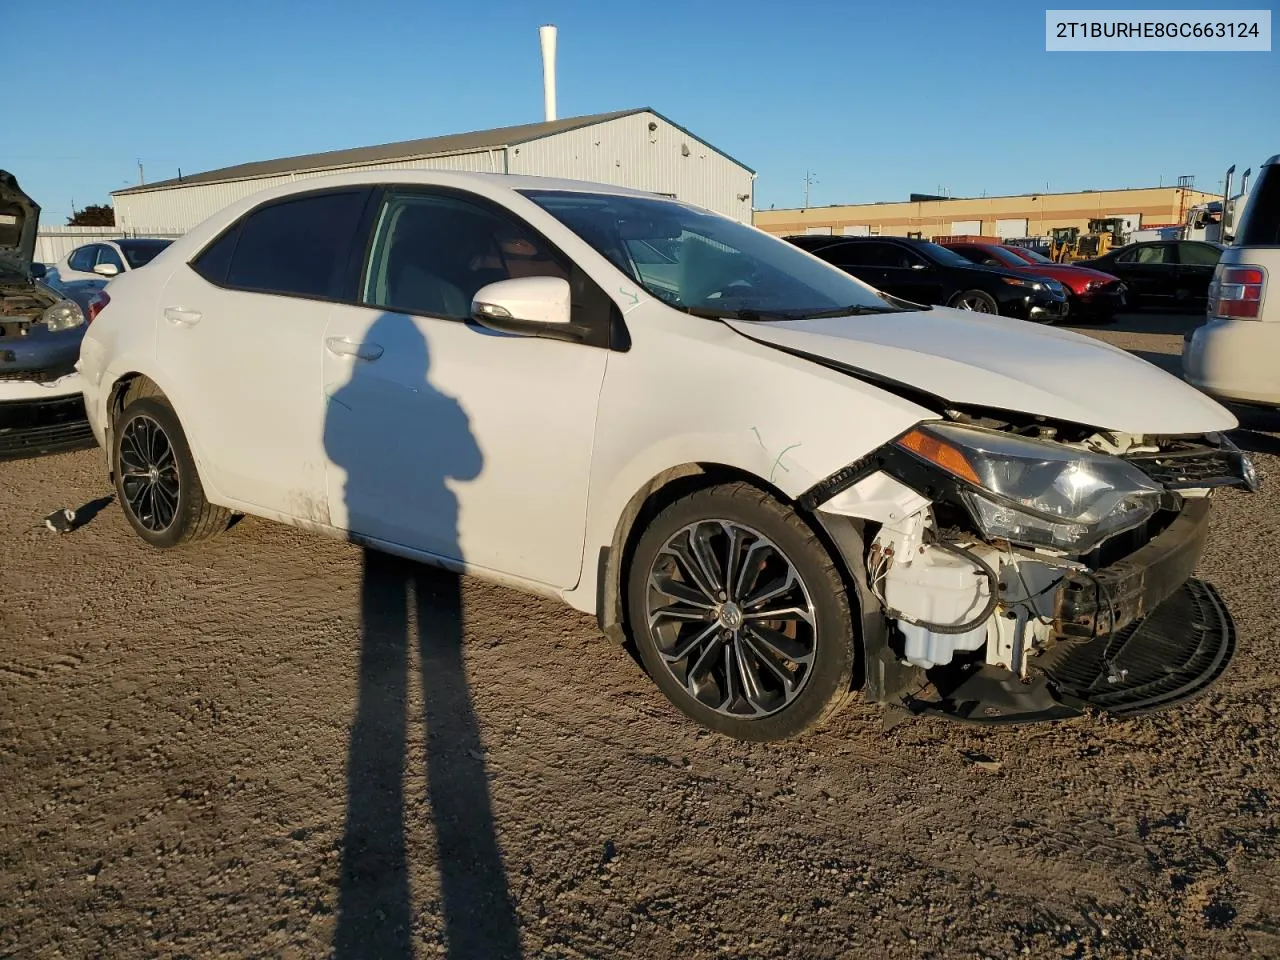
623 152
54 243
627 153
187 206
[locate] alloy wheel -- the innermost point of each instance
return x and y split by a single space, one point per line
976 304
149 473
732 619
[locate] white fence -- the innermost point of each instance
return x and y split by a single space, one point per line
54 243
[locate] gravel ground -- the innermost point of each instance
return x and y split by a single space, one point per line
204 753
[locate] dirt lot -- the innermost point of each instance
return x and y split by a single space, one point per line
205 754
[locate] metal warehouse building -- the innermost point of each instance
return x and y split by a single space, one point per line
637 148
1027 215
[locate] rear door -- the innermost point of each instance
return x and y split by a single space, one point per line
1196 263
1150 270
240 338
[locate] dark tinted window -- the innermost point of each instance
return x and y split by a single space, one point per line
1260 223
140 252
214 262
431 254
83 259
298 246
857 254
1198 254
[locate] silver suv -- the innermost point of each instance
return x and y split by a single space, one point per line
1233 355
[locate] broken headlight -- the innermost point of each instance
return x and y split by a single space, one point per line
1036 492
63 315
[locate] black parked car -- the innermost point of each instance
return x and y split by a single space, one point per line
1162 272
924 272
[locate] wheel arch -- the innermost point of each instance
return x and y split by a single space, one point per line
841 536
130 385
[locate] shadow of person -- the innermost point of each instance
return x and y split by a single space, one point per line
401 442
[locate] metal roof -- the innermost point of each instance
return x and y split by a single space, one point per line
404 150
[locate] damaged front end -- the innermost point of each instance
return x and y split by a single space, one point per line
1020 570
41 407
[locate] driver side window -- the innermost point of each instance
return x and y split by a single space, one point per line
431 254
108 255
83 259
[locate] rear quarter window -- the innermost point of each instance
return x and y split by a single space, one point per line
1260 224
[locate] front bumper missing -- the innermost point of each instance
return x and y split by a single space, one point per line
1172 655
1135 636
33 428
1104 601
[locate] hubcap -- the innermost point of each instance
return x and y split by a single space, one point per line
732 619
148 474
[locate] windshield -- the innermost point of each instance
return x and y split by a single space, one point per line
141 252
705 263
941 254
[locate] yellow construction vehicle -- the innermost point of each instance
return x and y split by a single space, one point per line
1062 246
1070 245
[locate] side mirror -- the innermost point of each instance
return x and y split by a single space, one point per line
919 266
106 269
532 306
39 271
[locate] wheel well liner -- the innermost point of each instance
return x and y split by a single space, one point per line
128 386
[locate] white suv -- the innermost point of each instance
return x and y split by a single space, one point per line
1233 356
782 484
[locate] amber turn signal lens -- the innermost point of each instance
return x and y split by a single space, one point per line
940 453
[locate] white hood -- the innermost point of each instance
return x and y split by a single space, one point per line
991 361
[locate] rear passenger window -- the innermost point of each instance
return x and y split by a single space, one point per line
1260 218
298 247
1198 254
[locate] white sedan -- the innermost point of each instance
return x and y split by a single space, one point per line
783 485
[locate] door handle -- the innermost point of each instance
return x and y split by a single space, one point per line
181 317
341 347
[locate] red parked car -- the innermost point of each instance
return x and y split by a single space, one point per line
1091 293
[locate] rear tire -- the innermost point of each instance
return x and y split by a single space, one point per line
702 628
156 481
975 301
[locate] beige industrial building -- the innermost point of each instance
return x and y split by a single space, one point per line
1025 215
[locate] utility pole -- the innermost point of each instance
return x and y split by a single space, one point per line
141 178
809 180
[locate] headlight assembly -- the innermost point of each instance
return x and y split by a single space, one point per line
63 315
1034 492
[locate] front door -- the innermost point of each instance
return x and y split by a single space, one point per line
446 437
241 334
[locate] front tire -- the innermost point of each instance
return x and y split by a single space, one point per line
976 301
157 484
740 615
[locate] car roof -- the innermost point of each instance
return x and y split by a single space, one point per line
482 182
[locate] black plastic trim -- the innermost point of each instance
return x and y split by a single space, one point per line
1111 598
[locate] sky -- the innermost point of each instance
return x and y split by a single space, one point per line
875 100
